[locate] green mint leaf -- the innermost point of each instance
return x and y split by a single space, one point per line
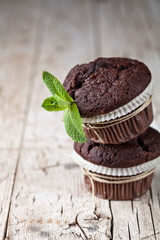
55 86
51 104
73 124
61 102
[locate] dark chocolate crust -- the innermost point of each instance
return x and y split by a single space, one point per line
106 84
144 148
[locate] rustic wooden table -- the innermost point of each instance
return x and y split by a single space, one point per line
42 191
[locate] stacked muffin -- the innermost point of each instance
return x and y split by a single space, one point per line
114 100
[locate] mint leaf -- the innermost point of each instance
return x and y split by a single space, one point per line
73 124
62 101
55 86
51 104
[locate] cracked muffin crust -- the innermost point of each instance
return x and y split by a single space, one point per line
106 84
139 150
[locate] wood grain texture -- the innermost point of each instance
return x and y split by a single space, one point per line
135 40
8 160
42 191
18 51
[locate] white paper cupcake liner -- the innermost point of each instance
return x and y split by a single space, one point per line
116 171
124 110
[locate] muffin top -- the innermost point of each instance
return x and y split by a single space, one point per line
139 150
106 84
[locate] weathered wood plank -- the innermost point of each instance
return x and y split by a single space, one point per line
124 220
18 46
55 203
154 204
18 51
49 198
8 161
151 20
126 31
68 25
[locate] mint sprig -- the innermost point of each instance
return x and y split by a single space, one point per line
62 101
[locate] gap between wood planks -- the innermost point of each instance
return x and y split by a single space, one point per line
112 207
37 42
108 10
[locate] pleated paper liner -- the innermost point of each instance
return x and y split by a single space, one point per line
123 191
117 172
117 183
122 129
124 110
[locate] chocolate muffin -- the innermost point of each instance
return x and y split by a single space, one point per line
113 96
128 167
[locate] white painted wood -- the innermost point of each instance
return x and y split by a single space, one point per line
18 30
54 208
49 199
130 34
124 220
38 176
154 204
64 46
144 218
8 161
